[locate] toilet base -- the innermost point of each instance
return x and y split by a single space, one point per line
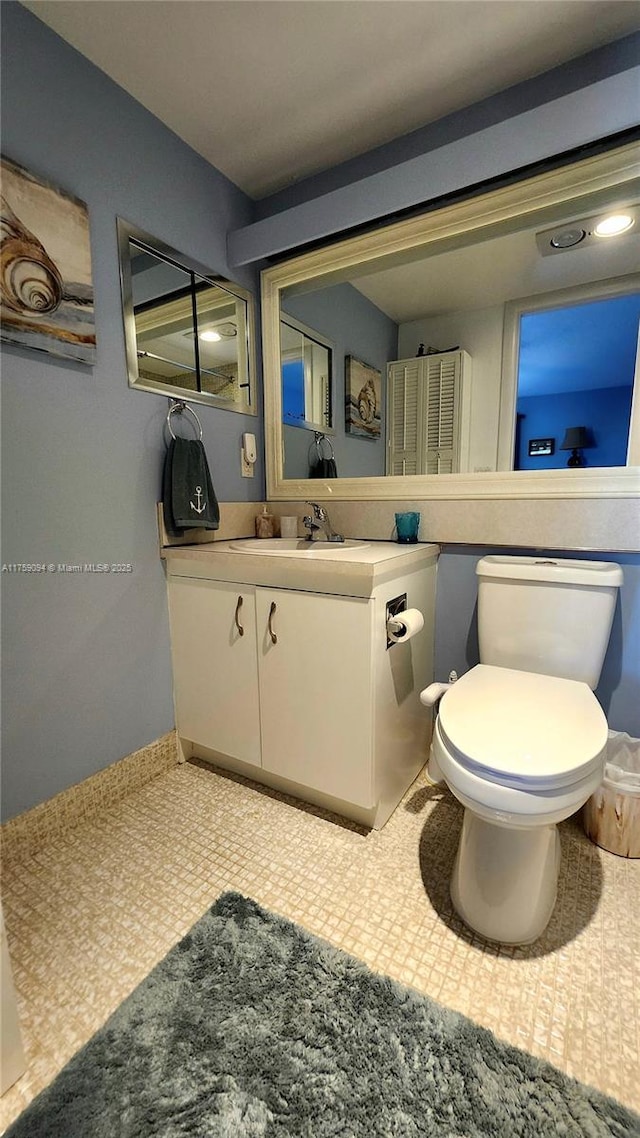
505 880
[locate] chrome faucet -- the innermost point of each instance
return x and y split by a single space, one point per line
320 521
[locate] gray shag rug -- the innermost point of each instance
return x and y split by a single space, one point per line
251 1027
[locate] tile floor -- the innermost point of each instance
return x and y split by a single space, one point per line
89 917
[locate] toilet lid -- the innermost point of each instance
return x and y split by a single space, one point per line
522 726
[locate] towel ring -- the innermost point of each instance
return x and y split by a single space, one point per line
180 406
320 439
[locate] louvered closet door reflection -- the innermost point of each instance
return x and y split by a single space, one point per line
440 422
405 414
424 415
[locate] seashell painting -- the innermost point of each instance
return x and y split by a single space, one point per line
363 399
46 288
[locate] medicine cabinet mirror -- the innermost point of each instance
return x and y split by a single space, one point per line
188 332
445 298
307 362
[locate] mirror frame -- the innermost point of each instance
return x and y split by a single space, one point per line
527 200
155 247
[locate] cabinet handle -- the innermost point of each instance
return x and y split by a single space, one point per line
274 638
237 617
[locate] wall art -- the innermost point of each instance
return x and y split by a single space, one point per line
46 288
363 398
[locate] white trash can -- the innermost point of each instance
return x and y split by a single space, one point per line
612 815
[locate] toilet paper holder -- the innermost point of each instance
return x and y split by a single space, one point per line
394 607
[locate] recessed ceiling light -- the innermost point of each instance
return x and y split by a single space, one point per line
566 238
614 224
584 232
210 335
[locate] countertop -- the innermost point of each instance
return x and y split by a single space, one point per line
350 572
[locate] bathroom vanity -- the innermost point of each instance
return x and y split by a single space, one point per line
283 670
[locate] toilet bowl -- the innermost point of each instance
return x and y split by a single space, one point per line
520 739
521 751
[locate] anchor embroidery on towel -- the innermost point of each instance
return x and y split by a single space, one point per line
199 509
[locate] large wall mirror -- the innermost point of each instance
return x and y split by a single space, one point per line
504 331
189 333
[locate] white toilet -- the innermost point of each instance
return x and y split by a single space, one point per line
520 739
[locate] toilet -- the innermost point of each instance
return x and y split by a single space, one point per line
520 739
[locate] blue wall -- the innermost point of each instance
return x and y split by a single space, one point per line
576 368
586 345
605 412
457 633
356 327
87 673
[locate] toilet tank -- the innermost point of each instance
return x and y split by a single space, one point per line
546 614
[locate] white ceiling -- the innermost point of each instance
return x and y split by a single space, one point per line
490 272
271 91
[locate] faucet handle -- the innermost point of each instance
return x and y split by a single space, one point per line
319 511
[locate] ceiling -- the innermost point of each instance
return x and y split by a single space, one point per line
272 91
489 272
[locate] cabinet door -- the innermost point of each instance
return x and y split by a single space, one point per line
315 691
215 677
441 422
404 414
428 409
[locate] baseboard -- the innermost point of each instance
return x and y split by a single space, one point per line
28 833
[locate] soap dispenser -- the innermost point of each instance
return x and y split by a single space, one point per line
265 524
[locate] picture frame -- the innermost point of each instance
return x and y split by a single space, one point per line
539 447
46 289
363 398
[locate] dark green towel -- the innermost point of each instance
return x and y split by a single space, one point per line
189 500
323 468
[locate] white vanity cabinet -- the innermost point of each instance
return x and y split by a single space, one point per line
315 692
309 698
215 668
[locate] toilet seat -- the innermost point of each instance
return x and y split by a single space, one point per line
523 730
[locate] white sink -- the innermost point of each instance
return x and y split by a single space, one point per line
297 547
